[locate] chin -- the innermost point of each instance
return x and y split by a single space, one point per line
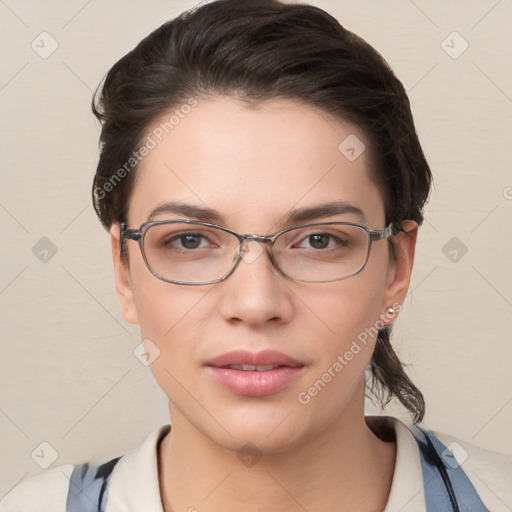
271 427
251 440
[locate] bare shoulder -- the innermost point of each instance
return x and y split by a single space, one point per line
45 492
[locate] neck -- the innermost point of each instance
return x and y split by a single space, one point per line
333 471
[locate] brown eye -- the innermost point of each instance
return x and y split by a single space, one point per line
187 241
319 241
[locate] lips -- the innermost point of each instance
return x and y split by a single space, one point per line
252 367
254 373
263 358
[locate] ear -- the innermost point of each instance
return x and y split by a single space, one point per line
122 278
399 271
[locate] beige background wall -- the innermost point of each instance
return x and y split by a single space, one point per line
69 377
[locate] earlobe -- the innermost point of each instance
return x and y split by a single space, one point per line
399 277
122 278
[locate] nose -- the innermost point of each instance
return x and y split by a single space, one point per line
256 292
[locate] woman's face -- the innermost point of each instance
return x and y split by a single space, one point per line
254 167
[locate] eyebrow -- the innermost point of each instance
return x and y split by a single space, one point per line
302 215
293 217
187 210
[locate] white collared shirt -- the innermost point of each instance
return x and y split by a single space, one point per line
134 485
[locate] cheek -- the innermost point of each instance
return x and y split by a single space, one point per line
351 307
163 314
172 326
348 314
352 322
167 316
161 306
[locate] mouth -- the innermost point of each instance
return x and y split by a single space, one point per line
252 367
254 374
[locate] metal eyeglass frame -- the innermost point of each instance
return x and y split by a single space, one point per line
139 234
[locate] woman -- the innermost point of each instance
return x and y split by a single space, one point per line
263 184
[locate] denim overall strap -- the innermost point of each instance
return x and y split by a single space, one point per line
447 488
88 487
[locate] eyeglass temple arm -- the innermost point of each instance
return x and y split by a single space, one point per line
127 234
393 229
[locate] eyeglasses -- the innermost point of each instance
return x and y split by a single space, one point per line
190 252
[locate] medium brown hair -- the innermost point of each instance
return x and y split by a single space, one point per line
257 50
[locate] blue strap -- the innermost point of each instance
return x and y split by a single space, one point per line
88 487
447 487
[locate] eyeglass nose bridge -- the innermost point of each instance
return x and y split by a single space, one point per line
244 240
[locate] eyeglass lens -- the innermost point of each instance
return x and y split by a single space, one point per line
195 253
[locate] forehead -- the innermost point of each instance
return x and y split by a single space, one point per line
253 162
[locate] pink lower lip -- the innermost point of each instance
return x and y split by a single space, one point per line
253 383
